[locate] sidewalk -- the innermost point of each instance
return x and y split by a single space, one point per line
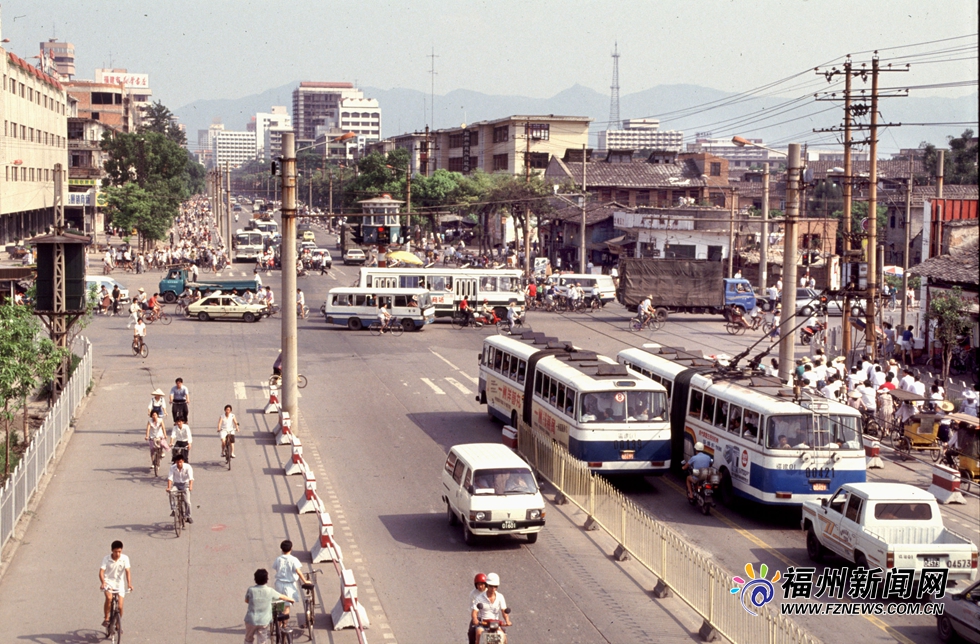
187 589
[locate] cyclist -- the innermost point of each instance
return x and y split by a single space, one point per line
156 433
153 304
157 404
182 478
384 317
270 299
228 426
139 331
464 308
181 438
300 303
645 310
179 399
512 316
595 295
112 573
259 599
288 570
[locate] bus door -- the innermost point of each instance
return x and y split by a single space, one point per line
465 287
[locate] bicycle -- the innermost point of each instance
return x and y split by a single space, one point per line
139 347
279 633
392 327
180 308
503 327
273 311
226 449
152 316
654 323
304 312
177 504
113 630
735 328
309 603
276 381
461 321
156 456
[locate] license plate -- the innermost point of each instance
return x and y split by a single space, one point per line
819 487
627 454
508 525
930 563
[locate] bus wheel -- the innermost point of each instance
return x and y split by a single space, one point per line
727 492
354 324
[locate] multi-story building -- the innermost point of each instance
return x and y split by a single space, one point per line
362 116
138 86
511 144
641 134
108 103
35 110
233 148
278 117
85 160
62 55
319 103
272 140
738 156
414 143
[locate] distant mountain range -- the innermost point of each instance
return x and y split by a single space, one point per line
406 110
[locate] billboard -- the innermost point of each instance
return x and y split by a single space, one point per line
129 81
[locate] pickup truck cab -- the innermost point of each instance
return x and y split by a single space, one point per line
887 525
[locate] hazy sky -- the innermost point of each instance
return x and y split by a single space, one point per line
199 49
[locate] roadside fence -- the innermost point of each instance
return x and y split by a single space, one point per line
20 487
699 582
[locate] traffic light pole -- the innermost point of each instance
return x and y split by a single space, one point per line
290 367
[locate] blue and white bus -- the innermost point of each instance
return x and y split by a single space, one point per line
768 448
614 420
448 286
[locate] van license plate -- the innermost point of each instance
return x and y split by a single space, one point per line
627 454
508 525
930 563
819 487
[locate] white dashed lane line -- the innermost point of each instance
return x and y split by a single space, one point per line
434 387
458 385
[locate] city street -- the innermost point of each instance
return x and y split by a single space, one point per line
377 419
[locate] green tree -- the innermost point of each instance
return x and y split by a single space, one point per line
950 312
158 118
825 198
959 165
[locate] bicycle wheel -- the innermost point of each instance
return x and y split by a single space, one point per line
937 453
275 312
310 614
149 319
395 329
905 449
115 628
144 350
136 348
503 328
178 512
227 451
634 325
180 309
732 328
657 323
871 428
301 381
459 321
375 328
165 319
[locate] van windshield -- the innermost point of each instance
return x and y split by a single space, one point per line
507 480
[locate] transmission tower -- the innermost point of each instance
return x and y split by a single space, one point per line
614 101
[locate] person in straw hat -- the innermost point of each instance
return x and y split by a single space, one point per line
158 403
969 404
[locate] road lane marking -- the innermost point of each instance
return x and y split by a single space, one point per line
475 381
240 391
458 385
444 360
436 389
765 546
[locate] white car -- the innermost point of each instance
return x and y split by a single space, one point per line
961 615
354 256
223 306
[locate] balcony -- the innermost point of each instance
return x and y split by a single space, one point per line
81 172
83 144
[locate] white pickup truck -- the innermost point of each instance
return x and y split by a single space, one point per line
887 525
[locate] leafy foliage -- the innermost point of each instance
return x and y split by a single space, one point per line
949 311
960 165
158 118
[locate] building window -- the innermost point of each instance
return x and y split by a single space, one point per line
539 160
623 197
715 169
642 197
718 199
455 164
606 194
501 134
455 141
891 222
539 131
500 162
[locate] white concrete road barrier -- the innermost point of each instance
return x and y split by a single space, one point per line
946 485
325 548
284 432
348 613
872 453
296 463
310 501
273 407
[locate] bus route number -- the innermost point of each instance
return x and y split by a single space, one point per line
819 472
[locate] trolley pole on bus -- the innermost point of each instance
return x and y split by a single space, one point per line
290 368
787 319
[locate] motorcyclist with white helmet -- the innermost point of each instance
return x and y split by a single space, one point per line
698 461
490 605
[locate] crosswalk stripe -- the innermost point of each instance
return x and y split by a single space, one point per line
436 389
458 385
240 391
444 360
475 381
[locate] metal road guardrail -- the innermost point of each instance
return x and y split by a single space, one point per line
20 487
699 582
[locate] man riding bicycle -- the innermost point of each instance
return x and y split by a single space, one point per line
645 310
384 317
512 316
139 331
228 427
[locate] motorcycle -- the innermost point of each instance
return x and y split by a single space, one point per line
810 330
486 319
708 480
493 632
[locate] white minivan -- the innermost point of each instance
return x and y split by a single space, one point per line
490 490
356 307
607 289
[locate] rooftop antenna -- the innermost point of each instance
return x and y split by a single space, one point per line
614 100
432 88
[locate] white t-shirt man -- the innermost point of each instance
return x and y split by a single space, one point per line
286 567
115 572
490 610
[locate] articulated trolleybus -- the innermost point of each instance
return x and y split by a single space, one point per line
448 286
768 448
614 420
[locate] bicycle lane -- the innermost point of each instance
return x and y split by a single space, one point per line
188 589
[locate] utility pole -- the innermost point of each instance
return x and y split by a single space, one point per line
582 256
408 204
908 242
848 186
764 241
527 205
290 369
786 321
731 236
870 329
227 238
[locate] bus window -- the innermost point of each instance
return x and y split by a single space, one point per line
521 370
440 283
750 424
359 300
667 384
488 283
786 432
560 400
368 280
721 414
401 300
735 419
498 357
537 383
553 393
513 368
505 368
708 411
409 281
570 402
697 401
509 284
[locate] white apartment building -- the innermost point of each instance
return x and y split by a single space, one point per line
318 104
233 148
272 141
738 156
362 116
35 108
278 117
641 134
